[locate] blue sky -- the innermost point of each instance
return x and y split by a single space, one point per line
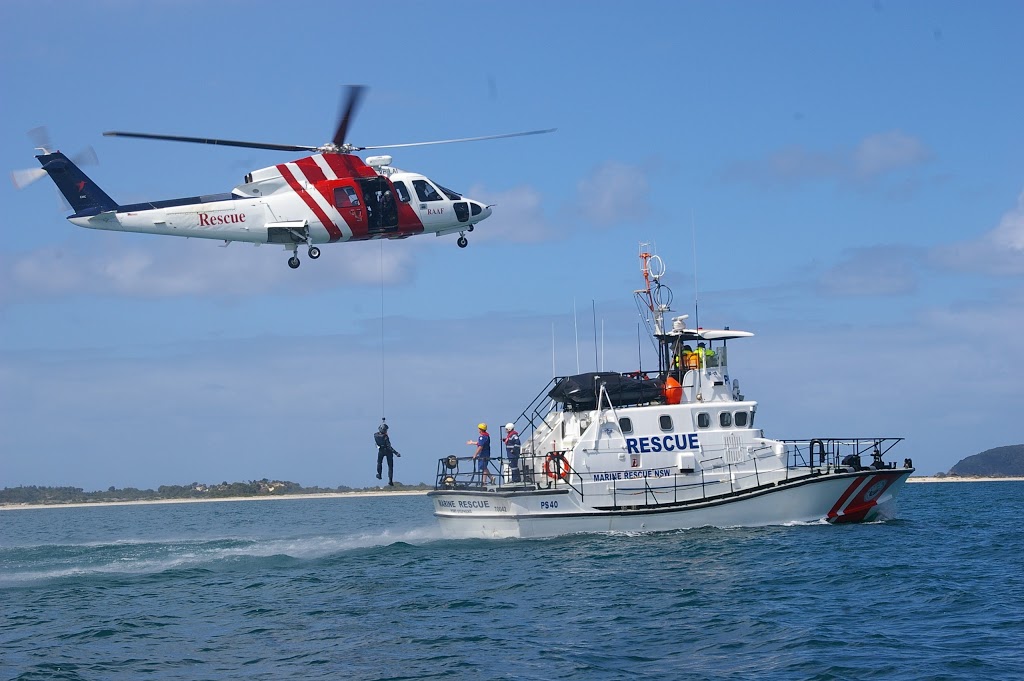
851 174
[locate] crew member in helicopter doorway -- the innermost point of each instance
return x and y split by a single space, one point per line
385 450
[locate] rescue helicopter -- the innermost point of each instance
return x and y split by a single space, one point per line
330 196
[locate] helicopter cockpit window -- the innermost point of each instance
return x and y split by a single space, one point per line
449 193
345 197
426 191
403 191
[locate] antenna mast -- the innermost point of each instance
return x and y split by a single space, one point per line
693 236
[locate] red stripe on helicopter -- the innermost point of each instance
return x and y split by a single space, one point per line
316 175
347 165
328 224
313 172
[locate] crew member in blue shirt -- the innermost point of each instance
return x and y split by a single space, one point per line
482 455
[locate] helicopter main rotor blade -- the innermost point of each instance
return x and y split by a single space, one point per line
463 139
206 140
355 95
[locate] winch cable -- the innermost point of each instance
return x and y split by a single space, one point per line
383 384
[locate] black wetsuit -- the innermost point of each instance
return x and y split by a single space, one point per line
386 450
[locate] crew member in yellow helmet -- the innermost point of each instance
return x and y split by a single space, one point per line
482 456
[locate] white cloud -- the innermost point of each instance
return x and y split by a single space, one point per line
1000 251
873 160
304 409
886 152
613 193
875 271
518 215
152 267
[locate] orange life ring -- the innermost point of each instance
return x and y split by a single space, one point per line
555 466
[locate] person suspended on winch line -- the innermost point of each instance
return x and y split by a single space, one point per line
385 450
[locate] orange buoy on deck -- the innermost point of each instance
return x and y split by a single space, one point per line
673 392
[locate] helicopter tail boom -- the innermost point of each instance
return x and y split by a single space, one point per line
84 195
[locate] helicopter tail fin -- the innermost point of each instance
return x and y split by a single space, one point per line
85 197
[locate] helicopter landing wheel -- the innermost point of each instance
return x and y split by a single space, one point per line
463 242
293 262
314 252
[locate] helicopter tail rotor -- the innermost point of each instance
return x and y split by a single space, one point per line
40 138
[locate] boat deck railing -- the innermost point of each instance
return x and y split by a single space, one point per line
551 470
530 472
825 454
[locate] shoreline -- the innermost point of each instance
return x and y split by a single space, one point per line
380 493
142 502
953 478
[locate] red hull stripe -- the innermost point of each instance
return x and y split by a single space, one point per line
857 482
332 229
857 509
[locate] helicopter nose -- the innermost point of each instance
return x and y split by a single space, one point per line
479 211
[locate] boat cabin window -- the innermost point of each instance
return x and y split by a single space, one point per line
725 419
703 420
425 191
403 191
626 424
741 419
665 421
345 197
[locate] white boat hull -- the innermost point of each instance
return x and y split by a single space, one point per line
835 497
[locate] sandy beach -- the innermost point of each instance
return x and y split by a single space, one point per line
325 495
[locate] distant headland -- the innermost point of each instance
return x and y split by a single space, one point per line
32 495
999 462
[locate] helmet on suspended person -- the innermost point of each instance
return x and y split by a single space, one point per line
481 426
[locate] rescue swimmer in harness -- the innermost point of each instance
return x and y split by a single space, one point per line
385 450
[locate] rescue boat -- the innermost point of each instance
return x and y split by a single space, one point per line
670 449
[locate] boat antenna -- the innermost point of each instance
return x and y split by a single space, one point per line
593 314
576 330
693 237
553 372
639 354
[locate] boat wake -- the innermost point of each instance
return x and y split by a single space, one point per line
127 558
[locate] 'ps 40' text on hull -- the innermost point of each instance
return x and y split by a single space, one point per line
675 449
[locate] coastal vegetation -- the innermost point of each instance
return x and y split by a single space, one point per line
33 494
1005 461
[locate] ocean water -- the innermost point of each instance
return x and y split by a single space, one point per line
366 588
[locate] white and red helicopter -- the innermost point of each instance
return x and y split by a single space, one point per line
330 196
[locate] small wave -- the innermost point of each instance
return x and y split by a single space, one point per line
131 558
